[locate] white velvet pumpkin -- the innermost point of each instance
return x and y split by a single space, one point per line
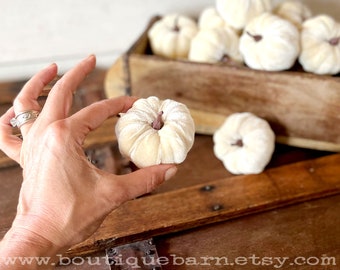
270 43
320 45
294 11
238 13
215 45
244 143
171 36
153 131
209 18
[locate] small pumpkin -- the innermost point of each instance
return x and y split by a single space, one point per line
244 143
171 36
320 45
215 45
294 11
153 131
209 18
270 43
238 13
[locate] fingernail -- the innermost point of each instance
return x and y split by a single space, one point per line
53 65
170 173
90 57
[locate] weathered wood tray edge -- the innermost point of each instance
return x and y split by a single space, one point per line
293 124
215 201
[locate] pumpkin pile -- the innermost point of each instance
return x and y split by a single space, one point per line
256 33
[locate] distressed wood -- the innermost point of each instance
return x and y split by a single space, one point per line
294 103
190 173
309 229
9 90
117 82
314 218
301 107
215 201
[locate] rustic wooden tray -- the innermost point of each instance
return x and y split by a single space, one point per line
214 200
201 193
302 108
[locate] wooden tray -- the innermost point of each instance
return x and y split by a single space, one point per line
201 193
302 108
214 201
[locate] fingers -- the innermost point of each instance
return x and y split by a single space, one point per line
126 187
9 143
93 116
60 98
27 99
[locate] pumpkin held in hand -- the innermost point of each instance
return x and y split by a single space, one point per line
154 132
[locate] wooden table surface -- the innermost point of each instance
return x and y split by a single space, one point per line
303 235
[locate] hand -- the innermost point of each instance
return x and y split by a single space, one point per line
64 198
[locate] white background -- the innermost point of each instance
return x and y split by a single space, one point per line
34 33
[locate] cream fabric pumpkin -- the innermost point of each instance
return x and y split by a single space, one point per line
270 43
215 45
171 36
209 18
244 143
238 13
294 11
320 42
153 132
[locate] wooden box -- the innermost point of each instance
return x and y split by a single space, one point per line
302 108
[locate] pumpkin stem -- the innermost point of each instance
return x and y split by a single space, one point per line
225 58
176 27
257 38
158 123
335 41
239 143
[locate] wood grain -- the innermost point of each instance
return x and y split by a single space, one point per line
309 229
297 105
313 178
301 107
215 201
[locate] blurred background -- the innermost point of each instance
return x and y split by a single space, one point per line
36 33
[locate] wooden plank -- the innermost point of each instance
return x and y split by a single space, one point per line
215 201
294 103
117 81
190 173
309 229
9 90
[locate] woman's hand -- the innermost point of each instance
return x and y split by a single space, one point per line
64 198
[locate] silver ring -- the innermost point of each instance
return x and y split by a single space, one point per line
24 117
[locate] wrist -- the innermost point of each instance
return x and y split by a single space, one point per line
20 249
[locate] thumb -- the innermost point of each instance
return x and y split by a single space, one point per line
126 187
